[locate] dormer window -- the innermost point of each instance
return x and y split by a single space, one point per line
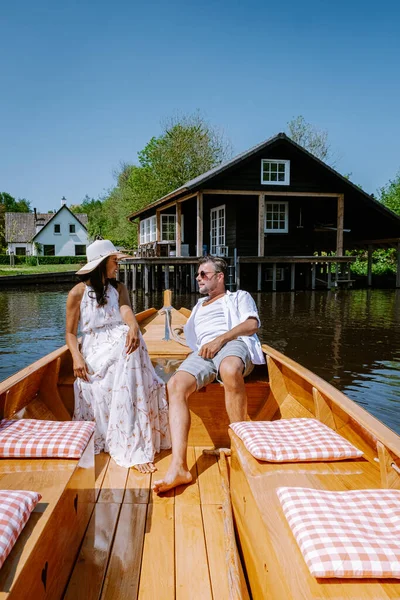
275 172
57 228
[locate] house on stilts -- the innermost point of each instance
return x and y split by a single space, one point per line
281 216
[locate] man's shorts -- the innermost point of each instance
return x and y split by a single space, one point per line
205 370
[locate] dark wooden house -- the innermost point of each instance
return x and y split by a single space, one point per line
276 210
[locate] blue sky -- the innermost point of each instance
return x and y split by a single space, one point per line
84 85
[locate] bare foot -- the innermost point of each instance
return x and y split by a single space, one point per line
175 476
145 468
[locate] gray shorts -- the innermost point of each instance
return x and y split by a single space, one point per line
205 370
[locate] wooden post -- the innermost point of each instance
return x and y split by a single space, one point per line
178 236
370 250
274 277
259 277
313 269
166 277
199 224
340 221
261 219
293 276
238 275
398 267
146 279
134 269
158 226
192 279
329 276
152 278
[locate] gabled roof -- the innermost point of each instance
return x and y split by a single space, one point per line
198 182
21 228
82 218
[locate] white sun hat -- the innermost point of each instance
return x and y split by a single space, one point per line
98 251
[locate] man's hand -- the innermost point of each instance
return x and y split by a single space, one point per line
132 339
210 350
80 368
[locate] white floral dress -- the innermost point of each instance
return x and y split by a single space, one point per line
124 396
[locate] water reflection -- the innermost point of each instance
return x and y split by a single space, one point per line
351 338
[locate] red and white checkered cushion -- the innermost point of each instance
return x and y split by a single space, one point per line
31 438
293 440
345 534
15 509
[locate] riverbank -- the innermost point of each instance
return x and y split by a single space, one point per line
42 278
7 271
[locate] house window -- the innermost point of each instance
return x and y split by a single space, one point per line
49 250
168 228
275 172
217 228
20 251
72 227
148 230
276 217
80 250
57 228
280 274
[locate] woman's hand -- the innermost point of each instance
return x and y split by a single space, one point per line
132 339
80 368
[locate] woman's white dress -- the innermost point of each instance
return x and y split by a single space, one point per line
124 396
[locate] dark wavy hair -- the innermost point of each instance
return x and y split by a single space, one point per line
99 282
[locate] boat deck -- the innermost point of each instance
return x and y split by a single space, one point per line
139 545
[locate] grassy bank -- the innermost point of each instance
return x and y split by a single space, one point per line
28 270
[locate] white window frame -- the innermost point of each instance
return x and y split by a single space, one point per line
280 203
277 162
169 218
219 240
148 230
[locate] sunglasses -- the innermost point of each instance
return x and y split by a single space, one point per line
203 274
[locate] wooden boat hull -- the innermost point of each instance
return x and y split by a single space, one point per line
273 563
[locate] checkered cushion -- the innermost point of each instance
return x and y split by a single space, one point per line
345 534
15 509
31 438
293 440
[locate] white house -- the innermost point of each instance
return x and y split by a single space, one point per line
52 234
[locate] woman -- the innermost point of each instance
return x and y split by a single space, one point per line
116 384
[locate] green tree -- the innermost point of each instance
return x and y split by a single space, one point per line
389 194
187 147
96 215
9 204
311 138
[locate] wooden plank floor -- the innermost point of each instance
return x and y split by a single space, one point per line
140 545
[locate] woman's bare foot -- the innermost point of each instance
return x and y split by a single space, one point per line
145 468
175 476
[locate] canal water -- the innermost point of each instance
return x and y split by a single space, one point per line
350 338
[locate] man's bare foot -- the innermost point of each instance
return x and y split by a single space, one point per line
145 468
174 477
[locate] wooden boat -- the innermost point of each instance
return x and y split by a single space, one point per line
100 532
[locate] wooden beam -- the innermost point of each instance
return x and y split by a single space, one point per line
261 219
259 278
340 220
370 250
178 235
266 193
398 267
295 259
274 277
313 276
199 224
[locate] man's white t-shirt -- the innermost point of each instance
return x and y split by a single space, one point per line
210 322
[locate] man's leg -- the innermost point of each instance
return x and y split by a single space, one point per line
180 387
231 373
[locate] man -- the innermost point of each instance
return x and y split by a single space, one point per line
221 333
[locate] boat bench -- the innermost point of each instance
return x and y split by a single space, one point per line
42 558
275 566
